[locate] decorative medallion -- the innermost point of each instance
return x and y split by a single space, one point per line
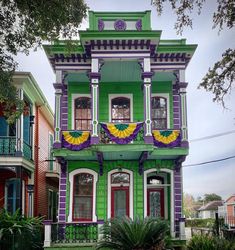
100 24
138 25
120 25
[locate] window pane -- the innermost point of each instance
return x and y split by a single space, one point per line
83 195
83 113
159 112
120 109
120 203
83 208
155 204
120 178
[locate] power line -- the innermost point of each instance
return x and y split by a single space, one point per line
213 136
207 162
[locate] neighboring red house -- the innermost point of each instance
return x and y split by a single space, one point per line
230 206
28 175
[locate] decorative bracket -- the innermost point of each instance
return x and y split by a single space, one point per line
100 158
179 161
143 157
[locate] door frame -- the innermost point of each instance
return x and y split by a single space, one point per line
130 191
124 188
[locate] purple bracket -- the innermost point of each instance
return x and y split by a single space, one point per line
143 157
100 159
179 161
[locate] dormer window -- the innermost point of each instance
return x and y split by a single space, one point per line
82 113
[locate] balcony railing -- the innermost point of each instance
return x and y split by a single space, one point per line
104 138
27 150
67 233
8 147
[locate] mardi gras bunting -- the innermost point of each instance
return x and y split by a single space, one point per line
122 133
75 140
166 138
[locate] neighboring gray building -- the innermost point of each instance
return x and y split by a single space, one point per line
209 210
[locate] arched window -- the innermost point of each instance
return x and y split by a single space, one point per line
82 113
120 110
83 197
159 112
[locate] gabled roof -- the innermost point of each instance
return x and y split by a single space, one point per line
31 88
213 205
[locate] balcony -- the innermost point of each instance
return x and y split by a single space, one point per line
8 147
53 170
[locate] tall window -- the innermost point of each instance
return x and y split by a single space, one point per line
12 198
83 197
120 109
82 113
159 112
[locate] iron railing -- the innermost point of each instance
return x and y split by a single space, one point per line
27 150
7 145
67 233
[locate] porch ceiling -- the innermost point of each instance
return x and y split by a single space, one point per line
120 71
121 152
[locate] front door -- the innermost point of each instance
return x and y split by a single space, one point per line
119 201
155 202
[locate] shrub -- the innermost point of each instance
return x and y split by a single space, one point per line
137 234
17 232
200 222
205 242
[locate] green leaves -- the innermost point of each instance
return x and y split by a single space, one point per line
220 79
25 24
127 234
15 229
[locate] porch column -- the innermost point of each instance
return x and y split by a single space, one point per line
20 127
47 233
147 79
183 108
178 192
57 118
62 192
176 107
94 83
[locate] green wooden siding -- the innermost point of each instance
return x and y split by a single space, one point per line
106 88
101 190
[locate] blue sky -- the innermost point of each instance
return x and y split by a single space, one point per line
204 117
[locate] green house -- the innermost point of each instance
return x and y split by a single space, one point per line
120 126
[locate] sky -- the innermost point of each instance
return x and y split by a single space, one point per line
205 117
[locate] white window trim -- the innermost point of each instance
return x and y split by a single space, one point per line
165 95
71 180
130 191
111 96
166 170
75 96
